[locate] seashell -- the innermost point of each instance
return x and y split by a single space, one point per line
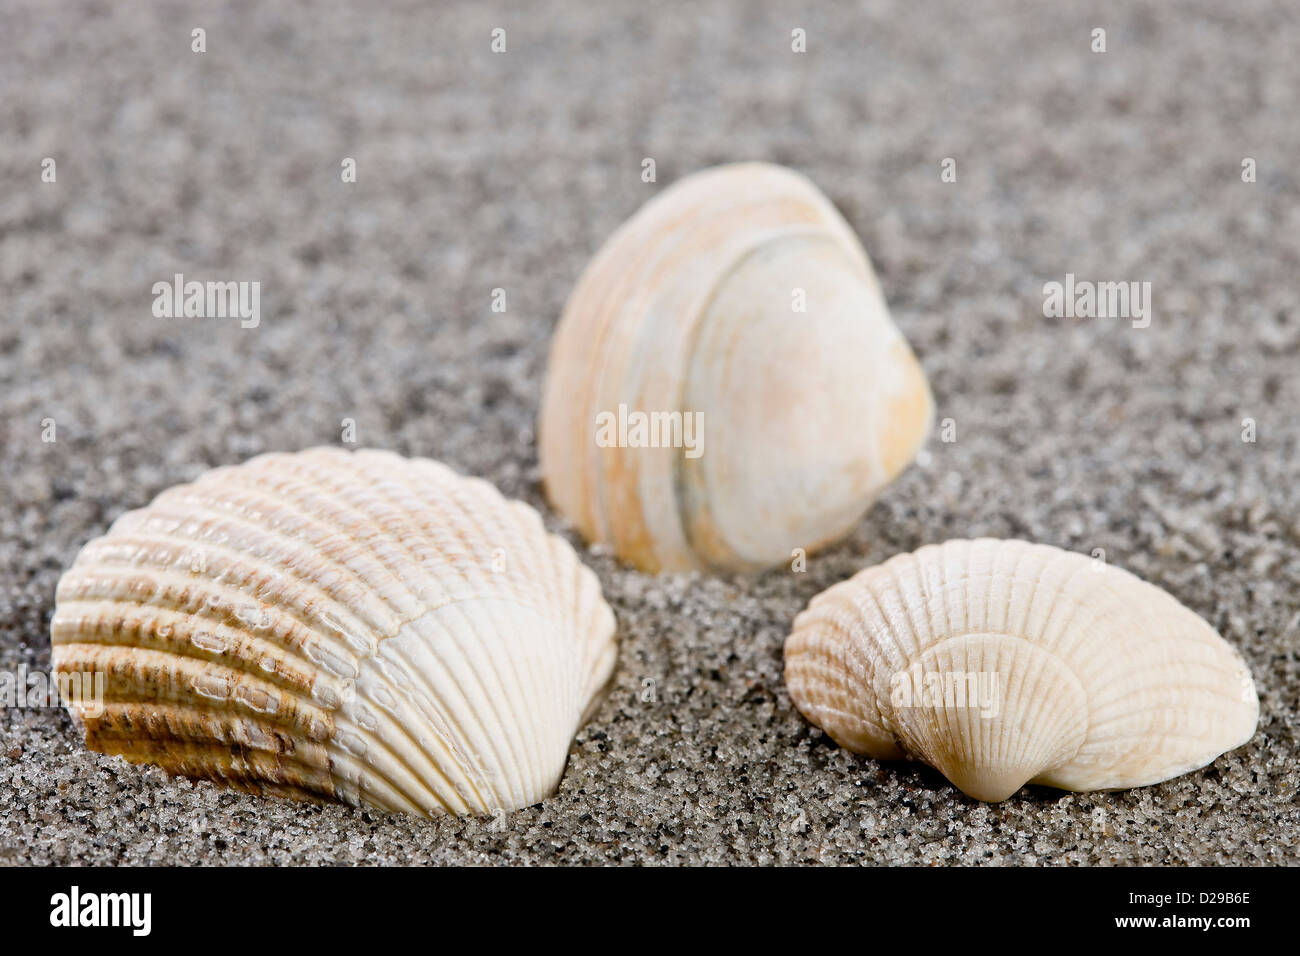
1002 663
690 310
348 625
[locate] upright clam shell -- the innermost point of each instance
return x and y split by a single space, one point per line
692 307
347 625
1003 663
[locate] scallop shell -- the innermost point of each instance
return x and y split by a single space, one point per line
690 308
1002 663
347 625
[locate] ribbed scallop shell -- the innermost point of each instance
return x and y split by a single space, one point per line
348 625
691 308
1003 663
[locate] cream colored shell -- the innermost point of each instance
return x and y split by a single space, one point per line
1003 663
357 626
692 307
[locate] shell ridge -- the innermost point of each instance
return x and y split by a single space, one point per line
454 712
348 504
475 521
1082 564
387 768
559 592
168 711
438 790
124 718
835 664
272 534
583 609
182 753
70 625
456 708
529 758
993 580
526 758
207 588
183 655
815 654
980 732
448 729
1027 611
883 703
915 647
338 517
186 672
941 597
570 598
492 740
524 548
358 782
178 686
429 784
1084 715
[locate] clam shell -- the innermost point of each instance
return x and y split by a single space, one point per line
1002 663
689 308
348 625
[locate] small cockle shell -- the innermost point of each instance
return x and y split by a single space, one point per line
1002 663
740 302
349 625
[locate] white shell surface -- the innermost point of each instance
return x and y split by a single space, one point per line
808 409
1002 663
331 624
